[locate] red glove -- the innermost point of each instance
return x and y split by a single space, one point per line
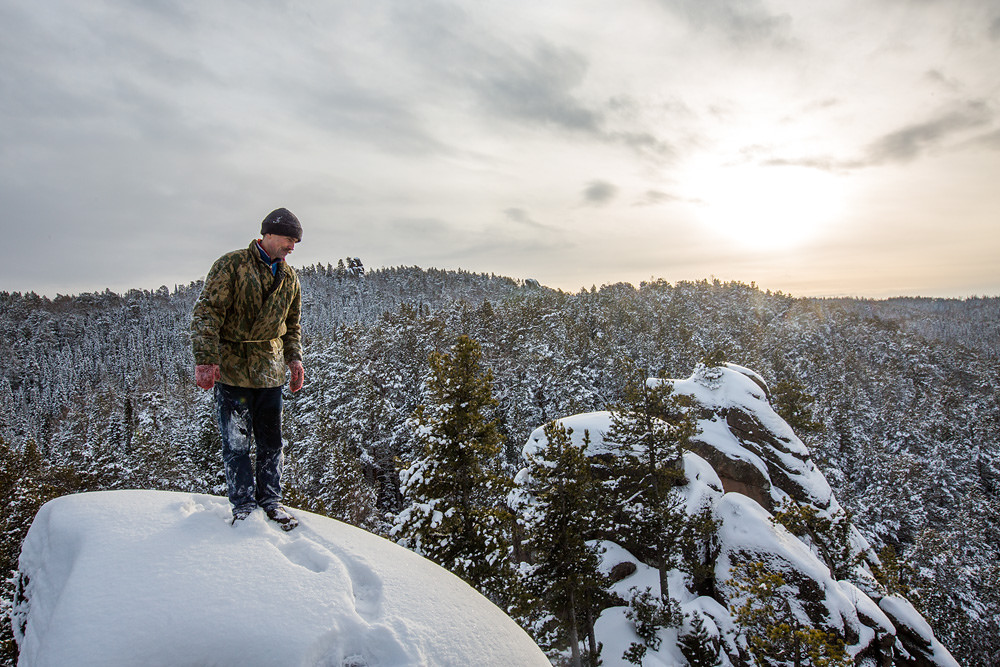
298 375
206 375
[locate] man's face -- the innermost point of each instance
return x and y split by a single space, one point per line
277 247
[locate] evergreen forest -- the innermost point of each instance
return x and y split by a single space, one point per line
898 401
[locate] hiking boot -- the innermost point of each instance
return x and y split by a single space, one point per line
241 513
280 516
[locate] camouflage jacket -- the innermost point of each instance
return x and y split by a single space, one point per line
247 320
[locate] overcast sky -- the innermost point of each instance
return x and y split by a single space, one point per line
817 147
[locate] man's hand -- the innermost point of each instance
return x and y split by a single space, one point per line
298 375
206 375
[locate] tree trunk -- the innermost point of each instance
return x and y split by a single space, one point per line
574 636
657 499
591 638
664 589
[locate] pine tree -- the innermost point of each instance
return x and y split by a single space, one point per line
456 491
651 428
699 647
829 536
794 405
337 488
894 573
649 613
698 544
773 632
714 359
557 506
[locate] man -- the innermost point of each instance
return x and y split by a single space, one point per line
244 331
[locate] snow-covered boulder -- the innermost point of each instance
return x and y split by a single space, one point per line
157 578
745 463
751 448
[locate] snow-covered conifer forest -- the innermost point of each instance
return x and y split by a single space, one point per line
898 402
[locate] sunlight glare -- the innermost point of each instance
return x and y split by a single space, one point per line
776 207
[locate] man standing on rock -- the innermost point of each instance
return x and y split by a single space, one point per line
244 331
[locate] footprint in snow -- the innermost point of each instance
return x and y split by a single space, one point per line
306 553
366 585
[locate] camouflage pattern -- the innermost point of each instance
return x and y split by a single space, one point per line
232 325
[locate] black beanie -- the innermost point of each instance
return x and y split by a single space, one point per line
282 222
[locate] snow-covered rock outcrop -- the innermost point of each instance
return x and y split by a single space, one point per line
157 578
746 464
751 448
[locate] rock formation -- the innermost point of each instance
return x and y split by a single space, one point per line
747 465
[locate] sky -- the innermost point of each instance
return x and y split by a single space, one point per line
818 148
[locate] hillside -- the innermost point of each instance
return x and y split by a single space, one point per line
898 405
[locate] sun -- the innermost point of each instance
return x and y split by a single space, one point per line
766 207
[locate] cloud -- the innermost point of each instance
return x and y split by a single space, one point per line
537 88
944 130
340 107
910 142
521 217
156 135
989 140
526 79
821 163
599 193
430 230
521 78
654 197
444 243
742 22
645 143
938 77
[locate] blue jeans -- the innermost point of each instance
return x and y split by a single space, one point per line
245 413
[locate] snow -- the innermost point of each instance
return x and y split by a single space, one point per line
160 578
867 607
736 389
596 424
612 554
901 610
715 432
716 617
747 526
747 531
752 374
704 486
617 633
614 630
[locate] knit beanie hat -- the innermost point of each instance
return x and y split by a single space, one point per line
282 222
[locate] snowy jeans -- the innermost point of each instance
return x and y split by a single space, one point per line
245 413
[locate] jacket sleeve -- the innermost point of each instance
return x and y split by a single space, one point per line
209 312
292 339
